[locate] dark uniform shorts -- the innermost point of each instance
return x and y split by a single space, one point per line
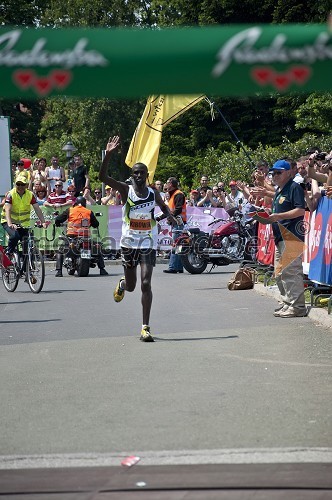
131 257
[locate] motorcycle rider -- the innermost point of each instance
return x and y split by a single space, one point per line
79 219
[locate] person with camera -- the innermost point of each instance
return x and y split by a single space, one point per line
316 160
287 217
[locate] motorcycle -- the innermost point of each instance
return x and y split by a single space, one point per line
232 242
80 253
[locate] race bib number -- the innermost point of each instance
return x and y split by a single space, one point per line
140 223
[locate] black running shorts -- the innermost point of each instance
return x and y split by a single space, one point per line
131 257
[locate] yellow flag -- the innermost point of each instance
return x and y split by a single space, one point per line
159 111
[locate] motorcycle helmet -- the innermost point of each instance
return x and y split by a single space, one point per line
80 200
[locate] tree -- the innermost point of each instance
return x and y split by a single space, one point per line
315 114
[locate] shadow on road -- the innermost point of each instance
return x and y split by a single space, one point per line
196 338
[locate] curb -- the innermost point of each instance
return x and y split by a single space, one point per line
318 315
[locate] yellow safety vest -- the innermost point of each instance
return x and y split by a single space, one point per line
21 208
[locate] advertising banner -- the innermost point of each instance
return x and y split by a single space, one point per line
234 60
320 270
110 222
5 163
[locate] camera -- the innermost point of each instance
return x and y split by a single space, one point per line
320 156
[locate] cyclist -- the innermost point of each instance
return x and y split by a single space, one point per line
15 216
79 219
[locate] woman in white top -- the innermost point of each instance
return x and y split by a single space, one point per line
55 173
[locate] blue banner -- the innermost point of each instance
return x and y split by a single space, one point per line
321 244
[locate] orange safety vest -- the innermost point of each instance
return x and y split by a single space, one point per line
79 221
171 205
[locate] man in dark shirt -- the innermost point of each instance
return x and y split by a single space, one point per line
80 175
288 229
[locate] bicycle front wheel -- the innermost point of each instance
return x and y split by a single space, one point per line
35 270
10 275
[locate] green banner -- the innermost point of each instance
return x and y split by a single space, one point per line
45 236
128 63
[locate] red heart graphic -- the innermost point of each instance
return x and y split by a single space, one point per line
262 75
281 81
43 85
24 79
61 79
300 74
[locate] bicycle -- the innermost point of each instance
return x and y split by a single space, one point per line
31 266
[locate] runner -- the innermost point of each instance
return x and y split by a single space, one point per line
139 232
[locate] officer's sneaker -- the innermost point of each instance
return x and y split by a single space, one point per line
119 292
280 310
293 313
146 335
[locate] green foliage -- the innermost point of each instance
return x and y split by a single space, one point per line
315 114
88 124
18 153
25 118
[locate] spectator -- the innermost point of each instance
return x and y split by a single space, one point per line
39 173
263 168
111 197
21 172
80 175
41 195
314 167
54 173
58 197
159 186
235 198
88 197
177 206
35 163
206 199
36 186
204 183
97 193
14 168
287 225
217 196
193 199
70 195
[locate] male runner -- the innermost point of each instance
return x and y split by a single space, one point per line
139 232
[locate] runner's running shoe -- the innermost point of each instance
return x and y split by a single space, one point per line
118 293
146 335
